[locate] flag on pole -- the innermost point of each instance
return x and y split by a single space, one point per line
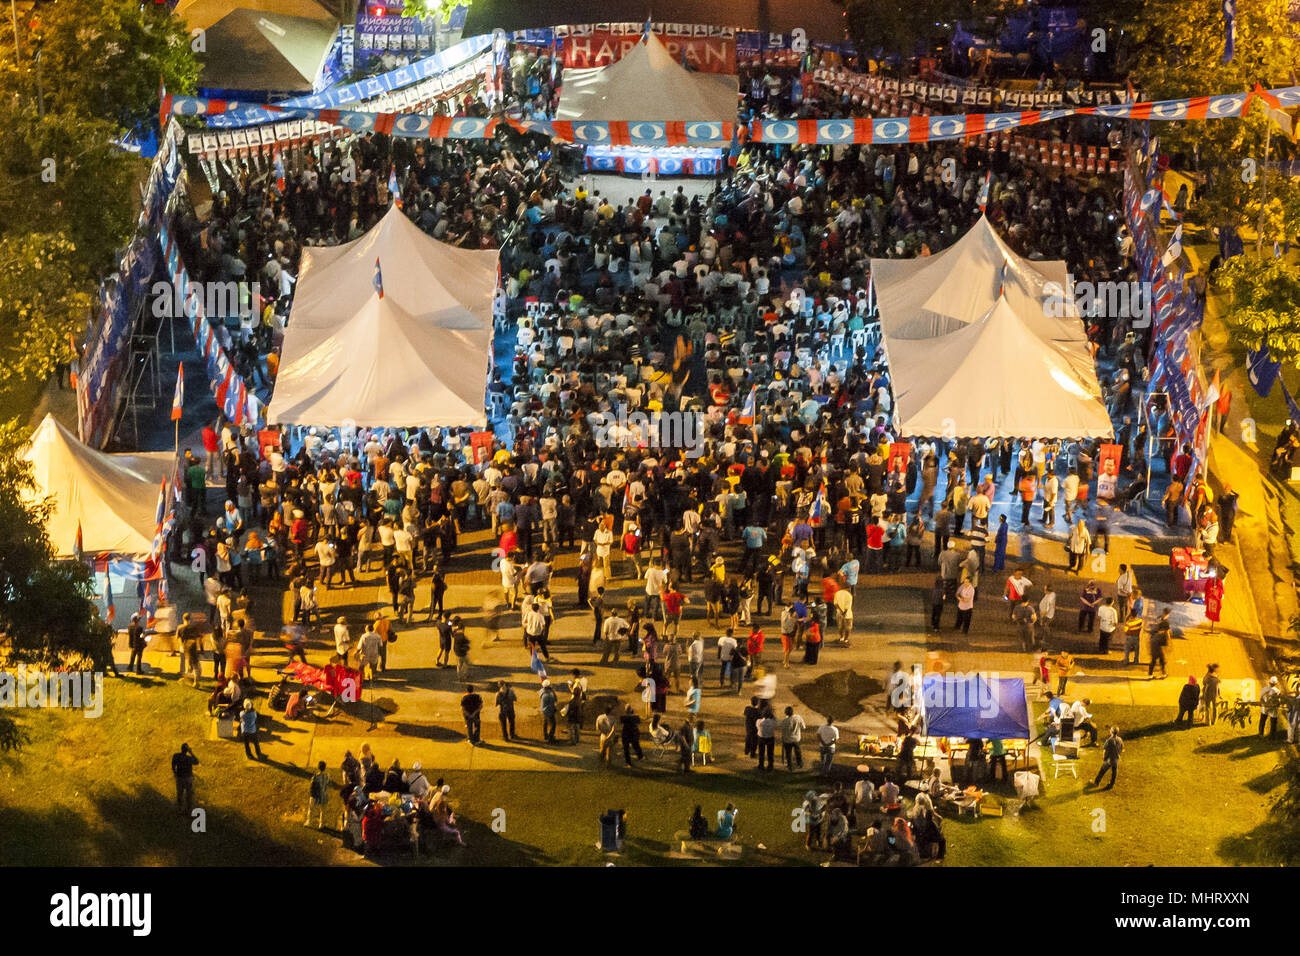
164 107
747 412
1212 393
74 361
818 505
111 611
379 280
984 191
178 400
1002 280
393 189
76 545
1175 248
1229 29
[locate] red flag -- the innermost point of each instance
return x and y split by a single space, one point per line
178 400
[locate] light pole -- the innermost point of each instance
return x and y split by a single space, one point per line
13 15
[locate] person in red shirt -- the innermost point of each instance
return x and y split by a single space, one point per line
829 587
875 546
632 546
212 445
755 647
674 601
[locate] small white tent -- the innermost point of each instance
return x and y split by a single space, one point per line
416 356
975 351
994 377
114 498
647 84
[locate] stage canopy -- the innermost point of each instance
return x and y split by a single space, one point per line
258 50
973 351
646 84
417 356
990 708
113 497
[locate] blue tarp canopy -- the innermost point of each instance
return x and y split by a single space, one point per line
989 708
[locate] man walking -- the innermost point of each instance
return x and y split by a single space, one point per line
318 795
608 734
767 738
471 708
1111 750
506 710
631 733
792 728
183 762
248 731
548 703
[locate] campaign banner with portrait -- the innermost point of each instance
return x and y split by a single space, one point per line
1108 463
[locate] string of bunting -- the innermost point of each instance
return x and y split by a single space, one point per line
894 130
233 396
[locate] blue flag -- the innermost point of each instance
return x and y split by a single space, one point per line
1292 408
379 280
1262 370
1229 29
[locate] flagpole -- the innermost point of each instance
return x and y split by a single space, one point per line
1263 200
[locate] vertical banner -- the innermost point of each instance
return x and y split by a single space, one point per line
1108 463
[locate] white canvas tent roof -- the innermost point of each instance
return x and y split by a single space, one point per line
114 497
646 84
264 50
972 347
419 356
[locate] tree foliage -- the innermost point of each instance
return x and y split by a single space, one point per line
432 8
104 58
1174 49
40 303
61 173
1264 309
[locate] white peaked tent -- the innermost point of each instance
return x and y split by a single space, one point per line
647 83
113 497
418 356
974 349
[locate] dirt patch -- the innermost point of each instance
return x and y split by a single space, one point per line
838 694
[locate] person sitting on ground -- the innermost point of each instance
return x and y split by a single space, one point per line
727 822
699 826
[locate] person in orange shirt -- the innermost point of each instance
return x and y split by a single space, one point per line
1028 490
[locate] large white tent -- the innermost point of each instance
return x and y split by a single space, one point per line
416 356
975 351
114 498
647 83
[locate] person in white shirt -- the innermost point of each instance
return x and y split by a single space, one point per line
726 644
828 735
342 639
1047 608
1082 719
656 582
1107 621
792 728
695 656
1124 587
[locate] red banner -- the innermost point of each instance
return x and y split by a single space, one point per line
601 48
1213 599
480 444
900 454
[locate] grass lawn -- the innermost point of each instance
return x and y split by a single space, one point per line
100 791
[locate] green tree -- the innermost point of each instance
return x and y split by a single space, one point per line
1264 308
1174 49
46 615
105 58
432 8
41 302
61 173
